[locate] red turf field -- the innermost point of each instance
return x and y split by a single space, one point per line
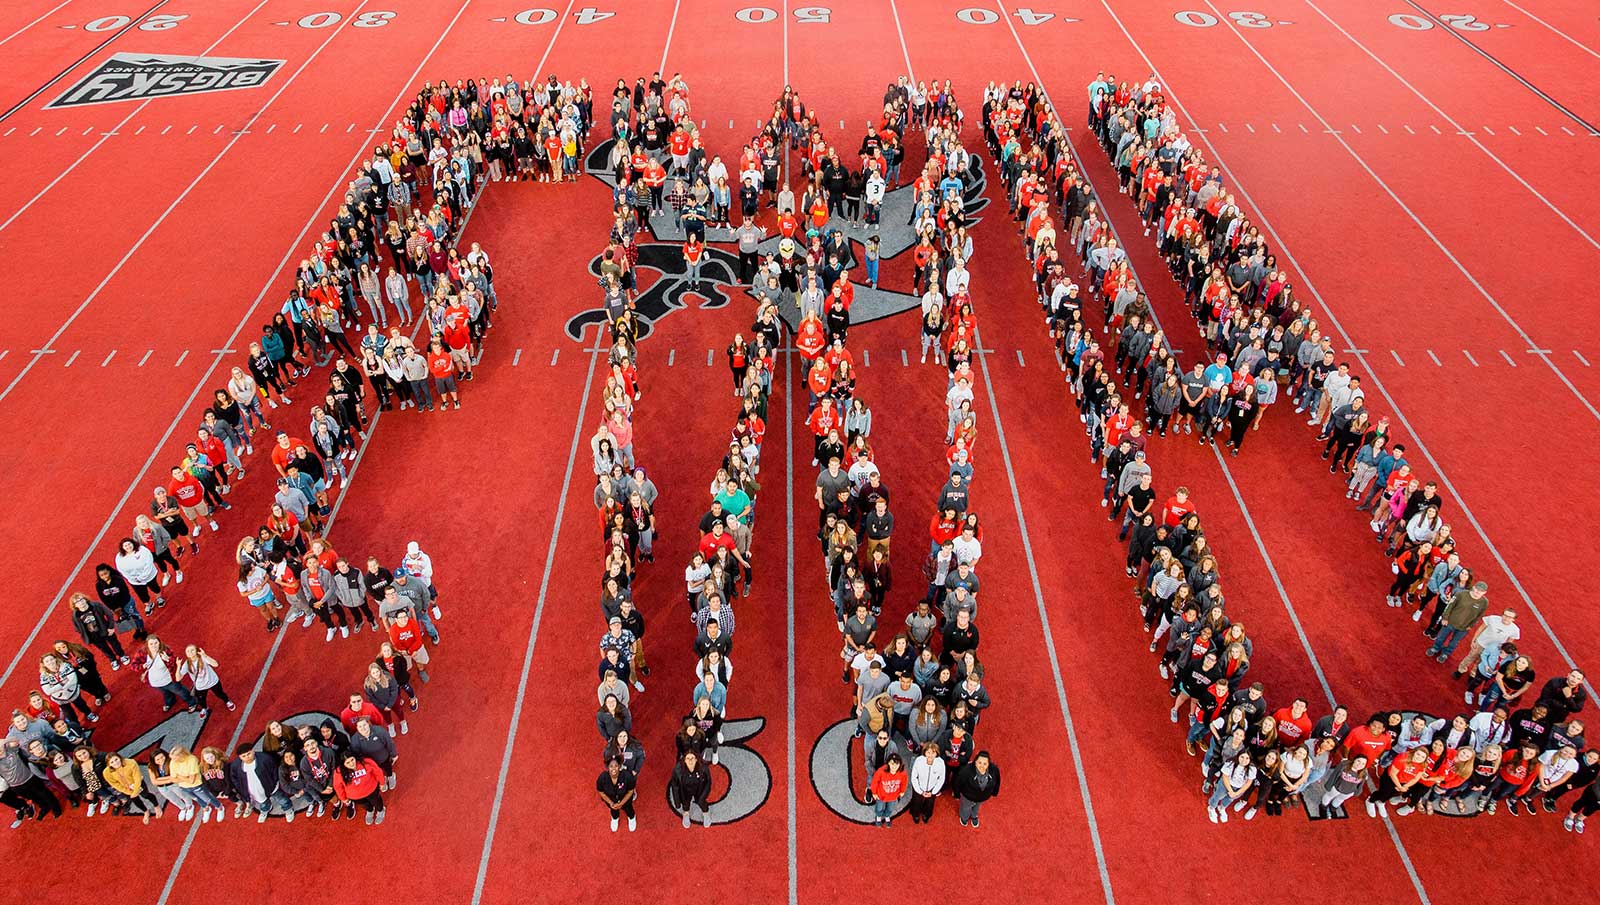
1424 198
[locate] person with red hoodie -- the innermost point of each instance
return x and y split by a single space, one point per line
358 780
889 785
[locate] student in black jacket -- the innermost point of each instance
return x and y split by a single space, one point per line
254 775
690 785
97 626
976 783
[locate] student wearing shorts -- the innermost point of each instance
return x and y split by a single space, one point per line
443 370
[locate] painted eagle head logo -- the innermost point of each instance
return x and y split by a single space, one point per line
663 254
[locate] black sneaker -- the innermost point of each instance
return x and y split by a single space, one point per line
1511 805
1549 806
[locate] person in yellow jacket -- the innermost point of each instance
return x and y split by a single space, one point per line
187 773
123 775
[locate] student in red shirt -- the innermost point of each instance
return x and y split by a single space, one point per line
1294 726
889 785
443 370
405 636
1370 741
1176 507
811 339
823 418
694 254
360 707
715 538
360 780
186 489
1397 781
283 453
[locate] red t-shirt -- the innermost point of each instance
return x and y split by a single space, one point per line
1174 511
1292 731
408 639
710 543
1362 741
186 490
680 143
439 364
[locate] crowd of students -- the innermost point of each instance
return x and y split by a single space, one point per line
408 202
1256 757
917 693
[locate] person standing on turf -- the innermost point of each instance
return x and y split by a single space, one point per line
976 783
617 788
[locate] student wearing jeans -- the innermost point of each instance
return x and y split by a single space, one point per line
889 785
976 783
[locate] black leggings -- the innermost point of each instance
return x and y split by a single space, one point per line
34 793
200 694
372 803
358 614
1588 802
165 561
110 645
330 612
147 590
627 808
338 341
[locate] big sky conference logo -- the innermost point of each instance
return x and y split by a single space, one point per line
142 76
720 272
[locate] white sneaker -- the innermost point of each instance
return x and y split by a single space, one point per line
288 816
271 403
405 727
1383 809
205 816
686 821
1240 804
221 812
329 637
1417 616
215 527
306 622
705 819
179 578
1223 814
1467 697
1212 814
261 817
633 824
1403 810
437 613
714 757
638 686
1250 814
613 824
344 631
